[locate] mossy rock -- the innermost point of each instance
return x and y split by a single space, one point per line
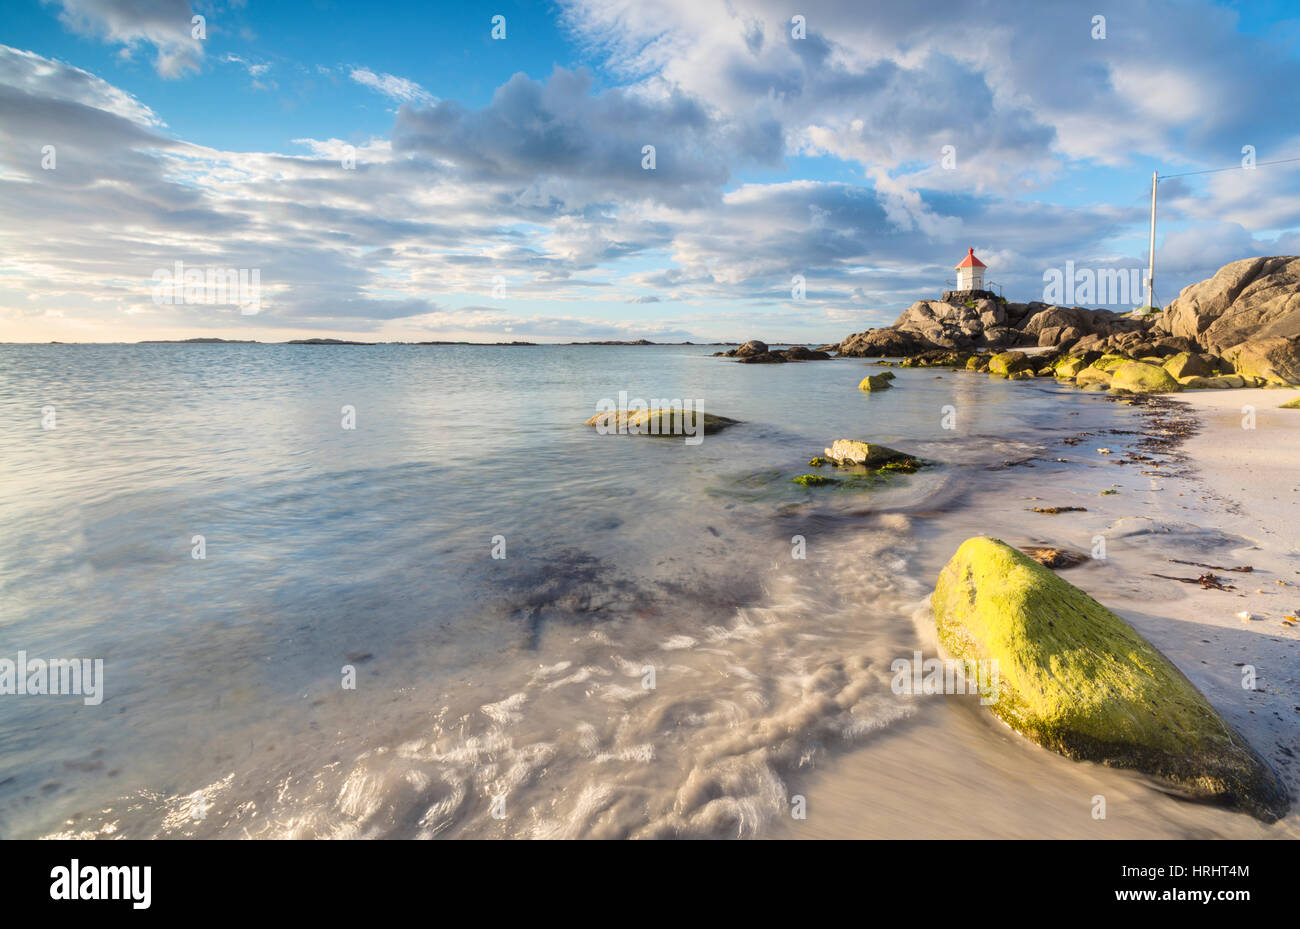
1006 363
1094 378
1196 382
818 462
1076 678
1140 378
851 451
1187 364
657 422
974 361
877 381
1109 362
887 375
814 480
1291 405
1069 366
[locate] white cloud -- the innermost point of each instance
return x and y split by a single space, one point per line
166 25
391 86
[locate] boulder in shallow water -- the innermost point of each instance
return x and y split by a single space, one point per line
1074 677
752 347
876 381
659 422
851 451
1005 363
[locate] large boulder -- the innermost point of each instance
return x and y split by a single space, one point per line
1255 298
1137 377
752 347
1077 679
1188 364
1276 360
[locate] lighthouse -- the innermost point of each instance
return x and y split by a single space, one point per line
970 273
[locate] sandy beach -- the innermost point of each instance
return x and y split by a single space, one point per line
1225 496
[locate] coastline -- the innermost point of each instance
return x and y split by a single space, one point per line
1219 495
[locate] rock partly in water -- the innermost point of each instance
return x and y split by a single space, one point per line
1137 377
876 381
658 422
1093 378
1074 677
1291 404
1006 363
752 347
853 452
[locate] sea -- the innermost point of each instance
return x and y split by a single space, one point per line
402 591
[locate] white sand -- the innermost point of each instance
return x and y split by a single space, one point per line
971 777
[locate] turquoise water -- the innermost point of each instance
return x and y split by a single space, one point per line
514 685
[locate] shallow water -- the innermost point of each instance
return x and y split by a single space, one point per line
650 657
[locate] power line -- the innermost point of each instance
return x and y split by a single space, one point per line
1262 164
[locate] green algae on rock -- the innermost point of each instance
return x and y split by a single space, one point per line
1076 678
1138 377
1007 363
1291 405
658 422
814 480
877 381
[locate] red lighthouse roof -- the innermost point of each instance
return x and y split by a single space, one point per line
970 261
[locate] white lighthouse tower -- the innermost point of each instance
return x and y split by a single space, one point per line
970 273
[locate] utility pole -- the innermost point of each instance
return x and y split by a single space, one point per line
1151 257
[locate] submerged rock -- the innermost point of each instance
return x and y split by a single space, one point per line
658 422
876 381
1291 404
1076 678
814 480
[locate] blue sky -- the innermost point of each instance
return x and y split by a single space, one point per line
497 187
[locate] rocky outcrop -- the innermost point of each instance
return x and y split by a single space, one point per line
1244 320
1276 360
1255 298
1075 678
889 343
